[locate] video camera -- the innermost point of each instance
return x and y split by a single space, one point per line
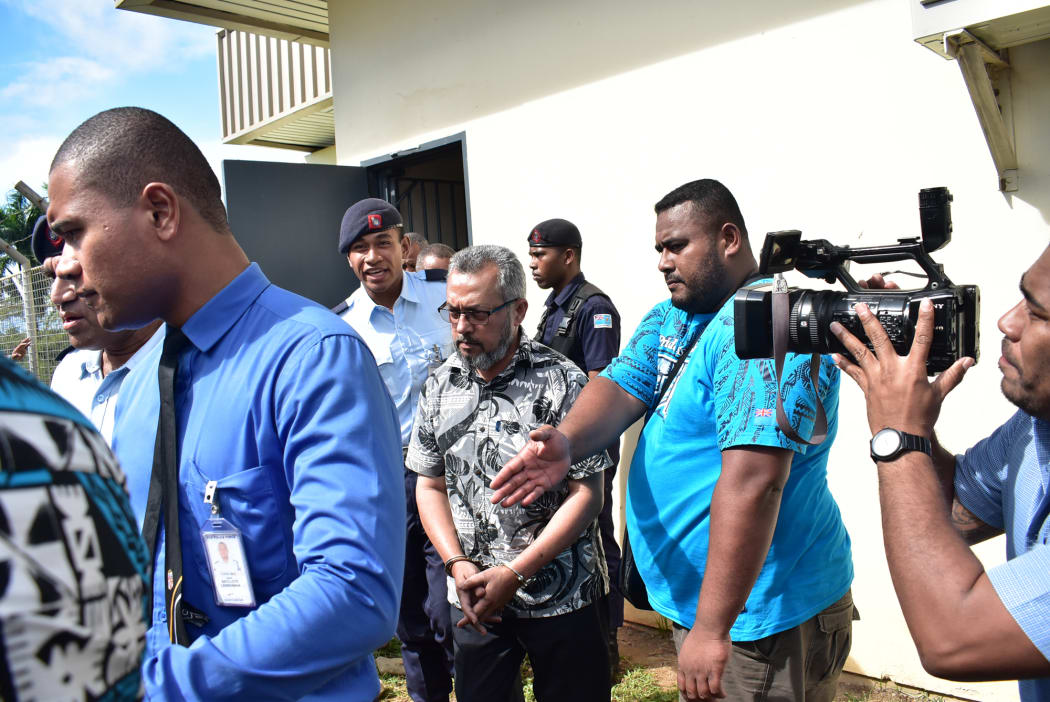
956 307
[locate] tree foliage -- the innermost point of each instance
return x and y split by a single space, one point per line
17 217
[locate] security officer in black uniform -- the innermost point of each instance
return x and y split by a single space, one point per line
581 322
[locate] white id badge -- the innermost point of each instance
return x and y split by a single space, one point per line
227 564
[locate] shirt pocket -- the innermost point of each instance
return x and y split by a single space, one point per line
439 336
382 354
435 345
246 499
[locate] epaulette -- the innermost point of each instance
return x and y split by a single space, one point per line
341 307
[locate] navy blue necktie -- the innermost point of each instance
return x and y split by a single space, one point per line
164 487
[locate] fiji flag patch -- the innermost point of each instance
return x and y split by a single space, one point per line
763 416
603 321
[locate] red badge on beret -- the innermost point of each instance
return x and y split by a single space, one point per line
536 236
375 221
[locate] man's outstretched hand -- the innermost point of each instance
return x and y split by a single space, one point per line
898 393
538 467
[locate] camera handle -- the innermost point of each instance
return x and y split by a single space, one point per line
905 248
781 312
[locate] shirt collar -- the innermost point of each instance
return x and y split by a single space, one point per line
91 366
1041 431
366 305
410 287
136 358
567 292
219 314
524 355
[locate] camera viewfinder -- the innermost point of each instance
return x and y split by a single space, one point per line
780 251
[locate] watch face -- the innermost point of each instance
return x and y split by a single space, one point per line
885 442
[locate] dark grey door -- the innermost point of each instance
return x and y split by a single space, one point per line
286 217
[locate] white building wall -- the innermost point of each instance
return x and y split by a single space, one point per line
826 118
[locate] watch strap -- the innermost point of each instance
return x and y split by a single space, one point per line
914 442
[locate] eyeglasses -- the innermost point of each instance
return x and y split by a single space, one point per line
474 316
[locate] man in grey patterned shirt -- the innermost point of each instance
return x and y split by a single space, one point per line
523 580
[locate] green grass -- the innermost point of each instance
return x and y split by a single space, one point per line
638 685
392 649
393 687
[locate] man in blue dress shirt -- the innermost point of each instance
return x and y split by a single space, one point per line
968 623
396 313
279 408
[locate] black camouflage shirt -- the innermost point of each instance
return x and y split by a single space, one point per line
467 429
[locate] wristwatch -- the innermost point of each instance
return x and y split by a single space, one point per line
888 444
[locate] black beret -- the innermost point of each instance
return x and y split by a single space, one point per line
45 242
556 232
368 215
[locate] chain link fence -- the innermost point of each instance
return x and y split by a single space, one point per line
26 312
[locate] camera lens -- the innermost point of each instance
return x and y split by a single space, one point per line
811 315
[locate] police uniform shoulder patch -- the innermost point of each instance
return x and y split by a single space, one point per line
603 321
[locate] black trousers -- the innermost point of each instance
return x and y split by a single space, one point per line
423 625
569 656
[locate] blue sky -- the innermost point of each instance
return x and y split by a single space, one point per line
62 61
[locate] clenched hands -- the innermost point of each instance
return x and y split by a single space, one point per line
483 593
471 593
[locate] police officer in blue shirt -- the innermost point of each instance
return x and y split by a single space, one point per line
580 322
395 312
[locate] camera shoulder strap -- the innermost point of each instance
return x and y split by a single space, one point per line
669 380
781 312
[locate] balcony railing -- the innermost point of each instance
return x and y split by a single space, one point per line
275 92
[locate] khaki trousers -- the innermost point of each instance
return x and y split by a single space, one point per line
797 665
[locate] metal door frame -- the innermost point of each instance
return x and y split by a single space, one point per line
372 165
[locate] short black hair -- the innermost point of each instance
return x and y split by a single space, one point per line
709 197
416 238
437 249
119 151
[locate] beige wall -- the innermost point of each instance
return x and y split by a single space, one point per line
326 156
828 119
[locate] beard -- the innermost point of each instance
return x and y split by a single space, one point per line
705 290
486 359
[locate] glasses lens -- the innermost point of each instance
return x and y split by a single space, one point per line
479 317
